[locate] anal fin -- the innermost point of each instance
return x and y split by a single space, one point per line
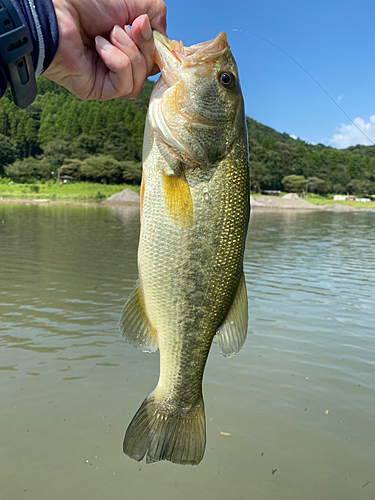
231 334
135 326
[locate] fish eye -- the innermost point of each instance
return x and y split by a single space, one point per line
227 80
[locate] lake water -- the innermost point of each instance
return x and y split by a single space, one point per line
298 401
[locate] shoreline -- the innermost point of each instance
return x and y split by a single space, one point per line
45 202
259 203
321 208
68 203
292 201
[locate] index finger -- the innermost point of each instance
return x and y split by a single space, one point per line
156 11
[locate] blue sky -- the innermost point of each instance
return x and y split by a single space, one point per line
332 40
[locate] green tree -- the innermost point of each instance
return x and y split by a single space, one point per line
319 186
259 175
359 188
131 172
24 171
87 145
7 152
19 135
121 146
72 120
70 167
31 136
294 183
101 168
56 151
269 142
99 122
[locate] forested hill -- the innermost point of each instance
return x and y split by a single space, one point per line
58 133
102 141
258 132
277 161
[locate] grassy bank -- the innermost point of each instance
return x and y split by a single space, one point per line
80 192
317 199
85 192
328 200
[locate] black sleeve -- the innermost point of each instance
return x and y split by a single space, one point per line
38 16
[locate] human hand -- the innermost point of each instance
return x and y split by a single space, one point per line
98 56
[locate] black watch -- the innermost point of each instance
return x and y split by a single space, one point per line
15 55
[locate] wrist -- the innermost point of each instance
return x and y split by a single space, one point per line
16 47
39 16
28 43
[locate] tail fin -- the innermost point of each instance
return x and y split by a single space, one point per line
163 434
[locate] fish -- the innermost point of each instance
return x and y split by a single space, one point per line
195 207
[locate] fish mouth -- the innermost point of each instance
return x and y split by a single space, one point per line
171 56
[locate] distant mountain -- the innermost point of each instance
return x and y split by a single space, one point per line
258 131
319 168
363 150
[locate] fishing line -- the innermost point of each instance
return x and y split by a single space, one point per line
309 74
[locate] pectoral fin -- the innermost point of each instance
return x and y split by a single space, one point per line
231 334
135 326
177 198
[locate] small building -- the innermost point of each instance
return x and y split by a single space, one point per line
340 197
271 193
65 179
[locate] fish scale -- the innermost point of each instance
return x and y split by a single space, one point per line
195 213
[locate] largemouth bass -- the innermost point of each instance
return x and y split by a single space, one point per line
194 216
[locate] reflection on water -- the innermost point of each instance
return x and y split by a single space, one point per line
62 274
296 406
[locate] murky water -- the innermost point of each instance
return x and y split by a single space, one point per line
298 401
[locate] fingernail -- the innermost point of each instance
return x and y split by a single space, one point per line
145 28
120 35
103 44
